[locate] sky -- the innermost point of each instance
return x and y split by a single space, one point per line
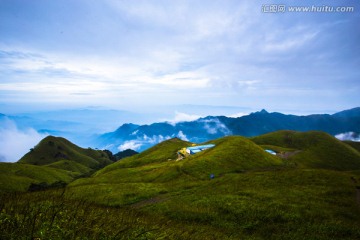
144 55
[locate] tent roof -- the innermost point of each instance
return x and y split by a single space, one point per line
201 147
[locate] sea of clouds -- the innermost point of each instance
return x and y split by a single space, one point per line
14 141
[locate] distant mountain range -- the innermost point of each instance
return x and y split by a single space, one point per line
141 137
83 128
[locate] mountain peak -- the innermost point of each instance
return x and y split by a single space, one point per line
354 112
263 111
127 127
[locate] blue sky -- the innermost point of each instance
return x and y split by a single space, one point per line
146 54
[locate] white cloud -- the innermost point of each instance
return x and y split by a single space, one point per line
109 146
213 126
283 41
134 132
237 115
348 136
183 80
154 139
138 143
14 143
183 117
182 136
132 144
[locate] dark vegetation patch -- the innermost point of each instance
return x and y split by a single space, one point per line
124 154
45 186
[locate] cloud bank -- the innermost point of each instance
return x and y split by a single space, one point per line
213 126
183 117
15 142
145 141
352 136
142 141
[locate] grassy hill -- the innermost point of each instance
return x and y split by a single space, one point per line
54 159
355 145
124 154
160 153
314 149
53 149
18 177
230 154
254 195
148 173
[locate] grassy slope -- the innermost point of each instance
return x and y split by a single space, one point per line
281 204
18 177
230 154
151 172
177 199
355 145
71 166
52 149
318 149
139 176
284 204
262 202
157 154
53 159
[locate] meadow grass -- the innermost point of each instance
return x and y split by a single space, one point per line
355 145
18 177
53 149
272 204
54 159
251 195
317 149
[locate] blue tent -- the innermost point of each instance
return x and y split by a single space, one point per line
270 151
196 149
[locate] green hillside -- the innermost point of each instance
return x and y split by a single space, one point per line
152 195
148 173
156 164
313 149
71 166
355 145
18 177
160 153
124 154
253 195
230 154
54 159
51 150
